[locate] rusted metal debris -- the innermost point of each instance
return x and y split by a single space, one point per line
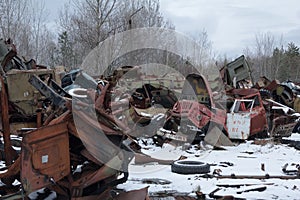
135 194
278 100
264 109
295 171
144 159
241 185
74 160
195 112
237 74
227 197
56 154
266 176
247 115
150 94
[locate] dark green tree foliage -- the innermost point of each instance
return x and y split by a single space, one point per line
292 61
278 61
66 55
289 63
283 64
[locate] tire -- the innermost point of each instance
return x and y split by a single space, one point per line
265 94
190 167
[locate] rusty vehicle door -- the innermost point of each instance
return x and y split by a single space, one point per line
45 157
239 120
247 117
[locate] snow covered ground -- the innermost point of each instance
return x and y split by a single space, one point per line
247 159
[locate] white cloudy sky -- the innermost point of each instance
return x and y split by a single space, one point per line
231 24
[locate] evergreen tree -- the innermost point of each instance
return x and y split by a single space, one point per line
278 58
66 55
292 58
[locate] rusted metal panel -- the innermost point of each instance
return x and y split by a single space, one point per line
259 123
142 159
153 94
134 194
296 105
12 170
19 88
197 113
283 126
91 132
45 156
92 177
194 114
237 73
9 151
273 85
21 92
196 86
105 195
242 92
217 138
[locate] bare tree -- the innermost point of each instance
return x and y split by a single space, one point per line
12 15
264 51
24 21
14 21
38 29
88 20
92 21
143 13
205 53
261 56
87 23
277 58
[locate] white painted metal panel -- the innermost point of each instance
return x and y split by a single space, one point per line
238 125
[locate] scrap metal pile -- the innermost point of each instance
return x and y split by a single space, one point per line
241 111
76 138
84 161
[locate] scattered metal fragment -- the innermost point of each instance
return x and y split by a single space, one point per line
157 181
295 172
258 188
144 159
242 184
227 197
292 143
141 194
266 176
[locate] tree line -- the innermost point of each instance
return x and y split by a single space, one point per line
83 24
271 58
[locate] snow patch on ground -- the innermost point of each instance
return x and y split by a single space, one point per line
295 137
247 159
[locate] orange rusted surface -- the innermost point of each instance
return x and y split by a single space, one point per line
45 156
10 153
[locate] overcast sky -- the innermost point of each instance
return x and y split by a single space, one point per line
231 24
